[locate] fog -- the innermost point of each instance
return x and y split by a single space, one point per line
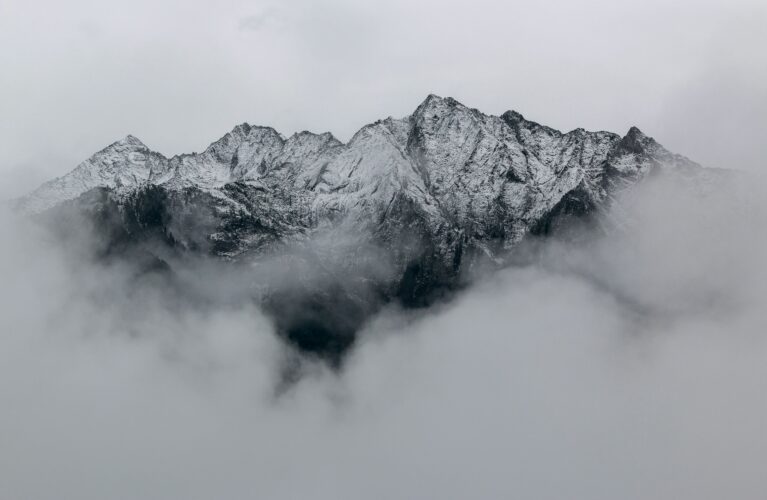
628 365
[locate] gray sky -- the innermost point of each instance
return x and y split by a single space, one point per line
633 368
78 75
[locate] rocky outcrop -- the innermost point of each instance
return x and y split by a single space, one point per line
399 213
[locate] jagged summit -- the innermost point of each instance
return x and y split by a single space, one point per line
132 140
127 142
433 194
431 151
635 140
513 117
434 99
434 107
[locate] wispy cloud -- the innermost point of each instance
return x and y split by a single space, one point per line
542 382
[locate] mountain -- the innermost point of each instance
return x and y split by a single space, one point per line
330 231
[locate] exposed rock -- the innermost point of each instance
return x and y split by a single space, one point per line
400 213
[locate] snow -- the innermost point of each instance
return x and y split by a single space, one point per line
462 168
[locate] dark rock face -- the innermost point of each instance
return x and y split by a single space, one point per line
326 233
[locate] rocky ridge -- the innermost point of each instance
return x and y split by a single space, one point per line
399 213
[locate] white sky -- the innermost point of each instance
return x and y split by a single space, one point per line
78 75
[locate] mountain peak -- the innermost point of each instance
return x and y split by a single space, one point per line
515 120
311 135
241 129
635 140
432 98
634 132
131 140
438 105
446 142
513 117
435 195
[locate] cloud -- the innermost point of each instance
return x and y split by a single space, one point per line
626 366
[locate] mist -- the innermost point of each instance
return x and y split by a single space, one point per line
628 364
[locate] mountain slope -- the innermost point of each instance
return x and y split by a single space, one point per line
402 212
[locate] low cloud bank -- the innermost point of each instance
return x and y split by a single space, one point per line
627 366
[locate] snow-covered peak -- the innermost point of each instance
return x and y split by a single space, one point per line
444 154
130 141
123 166
404 211
435 107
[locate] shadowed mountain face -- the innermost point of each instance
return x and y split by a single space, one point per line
323 234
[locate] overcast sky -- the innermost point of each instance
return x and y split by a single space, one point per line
632 367
80 74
